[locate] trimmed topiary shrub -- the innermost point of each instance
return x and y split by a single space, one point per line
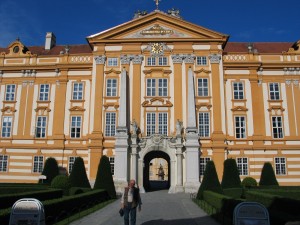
78 177
210 181
268 177
249 182
231 176
104 178
50 170
61 182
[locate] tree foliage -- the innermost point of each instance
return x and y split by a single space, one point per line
267 176
249 182
78 176
50 170
61 182
231 176
104 179
210 180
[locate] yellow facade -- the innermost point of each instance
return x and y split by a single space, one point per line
246 97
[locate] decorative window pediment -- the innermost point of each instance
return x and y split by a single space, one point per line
111 104
239 108
276 108
157 102
204 105
8 109
77 109
202 70
112 71
16 49
158 70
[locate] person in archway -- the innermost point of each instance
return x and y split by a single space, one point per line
131 200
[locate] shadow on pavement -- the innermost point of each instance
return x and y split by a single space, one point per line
192 221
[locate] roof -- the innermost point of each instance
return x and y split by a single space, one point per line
262 47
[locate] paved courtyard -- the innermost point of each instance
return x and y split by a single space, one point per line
159 208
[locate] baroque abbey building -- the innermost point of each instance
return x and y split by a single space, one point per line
156 87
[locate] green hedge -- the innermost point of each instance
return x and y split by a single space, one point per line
78 190
12 190
292 194
58 209
8 200
233 192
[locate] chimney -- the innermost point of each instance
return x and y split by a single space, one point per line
50 40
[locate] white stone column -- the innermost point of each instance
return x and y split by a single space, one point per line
121 145
192 141
141 176
133 171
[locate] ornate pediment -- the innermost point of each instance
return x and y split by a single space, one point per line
158 71
157 26
202 70
111 104
276 108
112 71
17 49
295 48
203 105
77 109
157 102
8 109
239 108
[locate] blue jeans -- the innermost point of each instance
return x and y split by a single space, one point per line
129 211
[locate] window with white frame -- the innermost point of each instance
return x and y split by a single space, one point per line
280 166
3 163
71 163
151 123
240 126
111 87
41 124
10 92
202 166
38 162
76 126
157 87
77 91
238 90
274 91
242 164
110 124
162 61
202 87
151 61
204 125
277 127
6 126
113 61
112 164
44 92
201 60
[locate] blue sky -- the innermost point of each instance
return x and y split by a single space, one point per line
73 20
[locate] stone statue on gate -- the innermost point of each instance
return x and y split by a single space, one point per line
161 173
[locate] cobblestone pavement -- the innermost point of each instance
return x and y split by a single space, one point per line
159 208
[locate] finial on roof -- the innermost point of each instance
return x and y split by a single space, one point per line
157 3
18 39
174 12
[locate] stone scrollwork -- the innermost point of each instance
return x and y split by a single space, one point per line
177 58
215 58
137 59
100 59
125 59
189 58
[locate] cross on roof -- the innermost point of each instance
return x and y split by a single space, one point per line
157 3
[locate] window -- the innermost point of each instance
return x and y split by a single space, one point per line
201 60
110 124
280 166
152 127
238 90
204 124
111 87
10 92
202 87
44 92
162 61
75 126
240 127
242 164
71 163
274 91
77 91
3 163
6 126
112 61
112 165
41 123
277 127
38 163
162 87
151 61
203 162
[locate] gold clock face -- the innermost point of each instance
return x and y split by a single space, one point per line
156 48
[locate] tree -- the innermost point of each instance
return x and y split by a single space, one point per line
210 180
50 170
78 177
231 176
249 182
104 179
267 176
61 182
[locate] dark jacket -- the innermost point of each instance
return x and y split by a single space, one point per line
136 201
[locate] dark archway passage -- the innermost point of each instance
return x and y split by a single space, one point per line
152 185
